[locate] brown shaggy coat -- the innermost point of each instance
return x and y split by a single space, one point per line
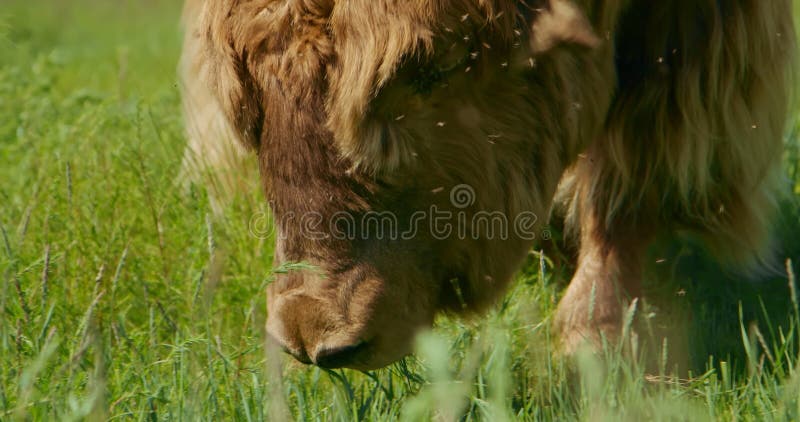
638 116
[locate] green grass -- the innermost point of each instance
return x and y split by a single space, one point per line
122 299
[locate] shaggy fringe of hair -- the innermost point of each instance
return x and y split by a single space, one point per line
368 60
695 134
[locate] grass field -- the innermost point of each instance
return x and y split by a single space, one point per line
121 298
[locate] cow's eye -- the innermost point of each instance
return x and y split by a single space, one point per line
426 78
427 74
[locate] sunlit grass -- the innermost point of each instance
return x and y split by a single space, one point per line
122 298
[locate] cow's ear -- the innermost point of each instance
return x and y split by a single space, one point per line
559 24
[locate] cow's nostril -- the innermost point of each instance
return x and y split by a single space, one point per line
300 355
337 357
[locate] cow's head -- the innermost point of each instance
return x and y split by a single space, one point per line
409 151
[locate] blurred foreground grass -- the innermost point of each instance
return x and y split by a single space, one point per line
122 299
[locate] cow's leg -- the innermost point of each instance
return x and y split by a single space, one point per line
614 233
607 279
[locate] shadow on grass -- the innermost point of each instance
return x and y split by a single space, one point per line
706 310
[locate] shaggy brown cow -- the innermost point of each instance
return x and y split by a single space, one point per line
638 116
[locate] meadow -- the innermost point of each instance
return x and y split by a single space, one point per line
123 298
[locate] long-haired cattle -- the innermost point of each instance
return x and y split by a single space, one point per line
378 122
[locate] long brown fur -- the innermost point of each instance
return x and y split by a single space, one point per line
694 136
659 116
